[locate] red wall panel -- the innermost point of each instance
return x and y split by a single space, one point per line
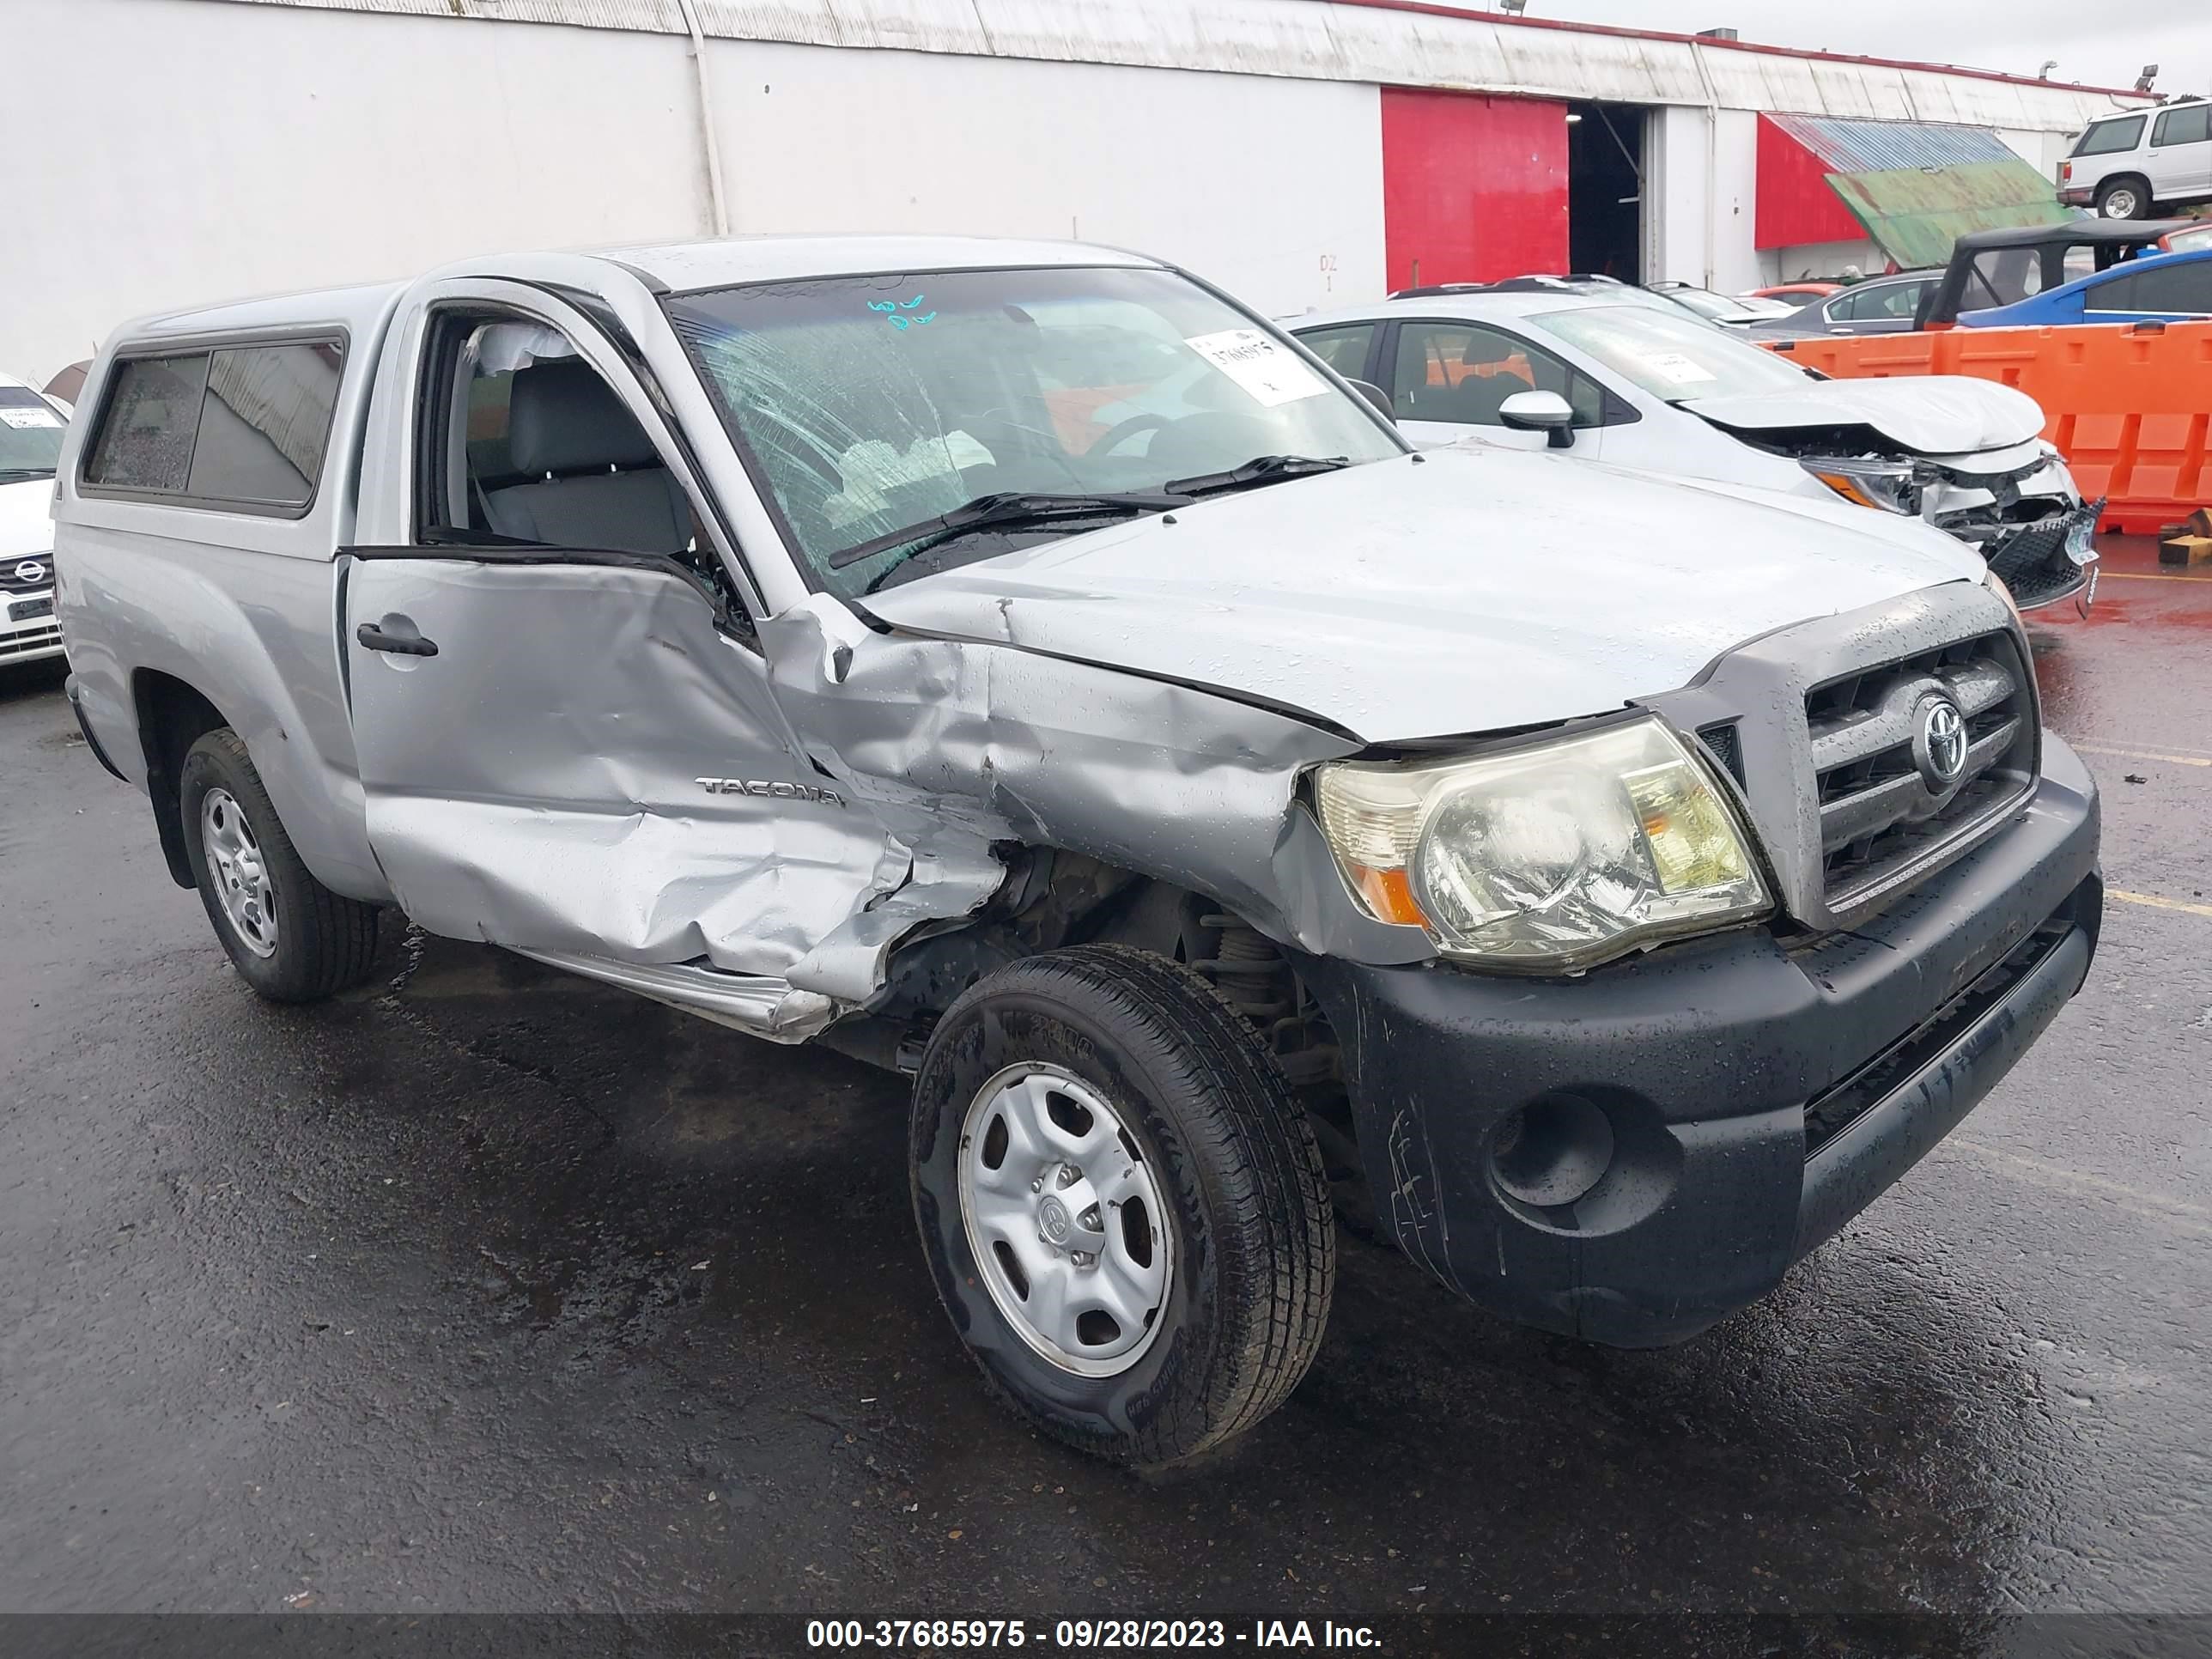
1474 188
1795 204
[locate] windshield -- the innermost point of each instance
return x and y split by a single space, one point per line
30 436
1673 358
869 406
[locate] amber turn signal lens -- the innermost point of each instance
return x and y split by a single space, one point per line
1845 487
1388 895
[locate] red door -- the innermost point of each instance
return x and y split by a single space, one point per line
1474 188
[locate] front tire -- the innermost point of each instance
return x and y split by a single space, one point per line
291 938
1123 1206
2124 198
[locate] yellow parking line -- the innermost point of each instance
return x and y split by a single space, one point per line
2147 576
2175 1213
2158 904
2145 754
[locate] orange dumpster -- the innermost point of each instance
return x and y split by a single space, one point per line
2129 406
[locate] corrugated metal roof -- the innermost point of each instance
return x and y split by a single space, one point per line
1916 212
1847 146
1389 42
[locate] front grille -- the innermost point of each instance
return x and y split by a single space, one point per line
30 640
1725 740
11 583
1883 817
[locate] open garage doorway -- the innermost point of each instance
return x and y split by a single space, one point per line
1605 190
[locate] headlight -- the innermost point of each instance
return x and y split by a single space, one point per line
1549 858
1893 486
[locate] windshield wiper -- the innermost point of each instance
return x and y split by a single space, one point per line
24 474
1259 470
1000 511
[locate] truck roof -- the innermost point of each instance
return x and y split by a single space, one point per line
670 266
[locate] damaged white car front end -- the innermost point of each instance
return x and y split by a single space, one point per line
1635 386
1965 455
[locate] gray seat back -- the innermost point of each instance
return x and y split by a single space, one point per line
601 483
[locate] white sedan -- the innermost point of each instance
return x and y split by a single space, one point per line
30 447
1531 367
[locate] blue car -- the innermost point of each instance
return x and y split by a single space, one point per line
2173 288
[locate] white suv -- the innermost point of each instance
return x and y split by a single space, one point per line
2129 166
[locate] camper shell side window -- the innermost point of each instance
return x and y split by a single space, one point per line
228 426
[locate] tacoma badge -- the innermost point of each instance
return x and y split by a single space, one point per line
773 791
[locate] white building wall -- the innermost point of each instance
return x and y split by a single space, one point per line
2043 151
171 152
1272 188
1821 260
237 149
165 153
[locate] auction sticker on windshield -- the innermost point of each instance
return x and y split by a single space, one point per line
1267 373
1681 370
25 418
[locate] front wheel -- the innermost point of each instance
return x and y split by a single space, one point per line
1123 1206
291 938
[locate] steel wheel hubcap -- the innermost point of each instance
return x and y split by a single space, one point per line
1064 1219
239 874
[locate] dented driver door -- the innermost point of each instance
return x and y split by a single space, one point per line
570 757
574 749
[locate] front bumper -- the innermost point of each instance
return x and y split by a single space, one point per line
2051 560
1754 1096
29 630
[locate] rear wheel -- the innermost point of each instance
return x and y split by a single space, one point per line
2123 198
1123 1206
291 938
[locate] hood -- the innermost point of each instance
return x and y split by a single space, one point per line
1929 414
1470 590
26 523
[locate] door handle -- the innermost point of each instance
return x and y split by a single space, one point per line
377 639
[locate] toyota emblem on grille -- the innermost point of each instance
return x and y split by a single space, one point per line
30 571
1940 744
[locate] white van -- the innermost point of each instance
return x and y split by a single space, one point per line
2136 165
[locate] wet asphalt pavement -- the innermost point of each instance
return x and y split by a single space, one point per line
489 1288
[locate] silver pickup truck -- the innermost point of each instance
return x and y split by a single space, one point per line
1023 665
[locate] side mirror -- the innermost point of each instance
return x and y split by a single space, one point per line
1375 395
1539 412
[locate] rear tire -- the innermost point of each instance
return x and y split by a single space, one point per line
291 938
1146 1082
2123 197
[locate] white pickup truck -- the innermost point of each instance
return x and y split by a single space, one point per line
1022 665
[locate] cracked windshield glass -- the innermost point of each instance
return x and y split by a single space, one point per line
1017 404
